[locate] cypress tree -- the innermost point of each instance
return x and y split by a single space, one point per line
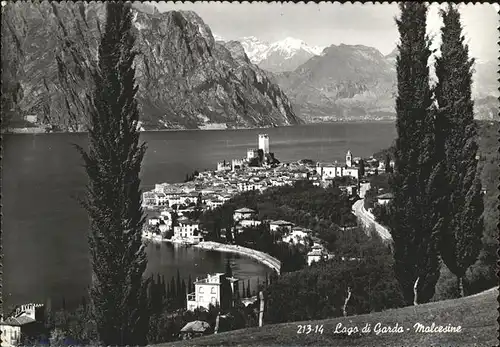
173 288
190 284
249 294
113 202
461 231
361 167
179 288
413 218
183 294
387 163
229 271
163 288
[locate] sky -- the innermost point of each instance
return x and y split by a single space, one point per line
325 24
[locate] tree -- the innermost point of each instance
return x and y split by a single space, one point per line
113 202
387 163
249 294
229 272
462 208
361 168
413 216
190 284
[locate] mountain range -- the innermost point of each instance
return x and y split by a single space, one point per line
349 82
186 79
284 55
189 78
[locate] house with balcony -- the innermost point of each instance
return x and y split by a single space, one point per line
215 289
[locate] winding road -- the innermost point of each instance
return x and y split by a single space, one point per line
368 219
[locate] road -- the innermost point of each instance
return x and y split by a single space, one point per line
368 219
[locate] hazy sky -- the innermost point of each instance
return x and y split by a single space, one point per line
324 24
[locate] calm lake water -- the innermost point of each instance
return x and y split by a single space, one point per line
45 229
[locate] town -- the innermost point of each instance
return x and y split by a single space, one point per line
171 206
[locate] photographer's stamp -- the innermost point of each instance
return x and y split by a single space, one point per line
254 174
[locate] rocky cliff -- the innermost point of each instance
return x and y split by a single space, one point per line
185 78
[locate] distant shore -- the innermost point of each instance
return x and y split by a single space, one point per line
40 130
262 257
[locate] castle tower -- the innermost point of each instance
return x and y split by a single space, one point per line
264 143
348 159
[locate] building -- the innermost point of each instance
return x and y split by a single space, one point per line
215 289
297 235
264 143
187 231
348 159
31 118
363 188
243 213
277 224
351 171
316 254
249 223
236 164
27 321
193 329
223 166
384 198
252 153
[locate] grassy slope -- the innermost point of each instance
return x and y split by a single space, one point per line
476 314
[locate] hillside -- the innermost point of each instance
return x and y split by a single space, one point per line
344 82
476 315
185 78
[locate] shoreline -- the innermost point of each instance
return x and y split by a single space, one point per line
38 130
261 257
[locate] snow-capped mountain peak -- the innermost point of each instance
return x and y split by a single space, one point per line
255 49
273 55
291 45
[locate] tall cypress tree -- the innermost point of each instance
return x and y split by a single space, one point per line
113 202
413 216
461 232
229 271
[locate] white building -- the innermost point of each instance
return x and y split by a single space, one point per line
223 166
187 231
211 291
27 320
236 164
277 224
251 153
243 213
363 188
264 143
31 118
316 254
297 235
384 198
348 158
248 223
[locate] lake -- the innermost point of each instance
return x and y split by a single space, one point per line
45 229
